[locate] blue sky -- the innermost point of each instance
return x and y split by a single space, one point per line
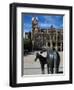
45 21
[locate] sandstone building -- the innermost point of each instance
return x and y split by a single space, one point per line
42 36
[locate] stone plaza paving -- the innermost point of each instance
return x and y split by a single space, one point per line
30 67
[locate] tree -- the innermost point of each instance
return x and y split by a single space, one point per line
27 45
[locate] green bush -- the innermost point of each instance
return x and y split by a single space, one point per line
27 44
